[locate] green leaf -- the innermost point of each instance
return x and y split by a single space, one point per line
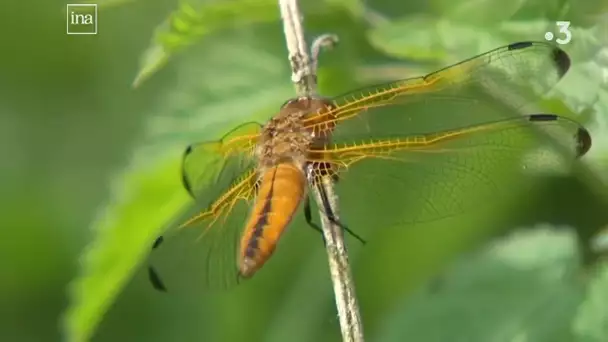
117 249
357 8
524 288
214 92
190 22
414 38
103 4
430 38
479 11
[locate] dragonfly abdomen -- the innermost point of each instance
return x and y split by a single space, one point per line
281 190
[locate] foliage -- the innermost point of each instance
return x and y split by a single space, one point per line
210 65
508 292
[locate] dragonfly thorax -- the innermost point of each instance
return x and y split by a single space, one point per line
286 137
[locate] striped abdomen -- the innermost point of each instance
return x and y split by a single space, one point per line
281 190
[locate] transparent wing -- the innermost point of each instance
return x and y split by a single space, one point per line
413 178
508 79
237 144
199 249
431 147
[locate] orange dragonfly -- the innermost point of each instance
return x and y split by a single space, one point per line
427 140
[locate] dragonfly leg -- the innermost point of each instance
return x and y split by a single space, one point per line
308 216
323 168
330 215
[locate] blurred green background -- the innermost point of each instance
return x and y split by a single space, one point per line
90 164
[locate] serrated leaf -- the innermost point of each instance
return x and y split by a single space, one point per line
479 11
154 58
190 22
112 255
524 288
421 42
430 38
213 93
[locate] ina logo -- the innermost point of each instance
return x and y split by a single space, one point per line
81 19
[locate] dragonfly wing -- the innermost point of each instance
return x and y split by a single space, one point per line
436 140
199 249
505 82
237 144
423 177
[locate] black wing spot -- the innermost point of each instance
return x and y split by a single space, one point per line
583 142
153 276
185 181
542 117
561 61
188 151
157 242
155 280
519 45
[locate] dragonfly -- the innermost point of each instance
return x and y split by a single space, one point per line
430 141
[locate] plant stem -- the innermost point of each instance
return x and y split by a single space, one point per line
304 78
